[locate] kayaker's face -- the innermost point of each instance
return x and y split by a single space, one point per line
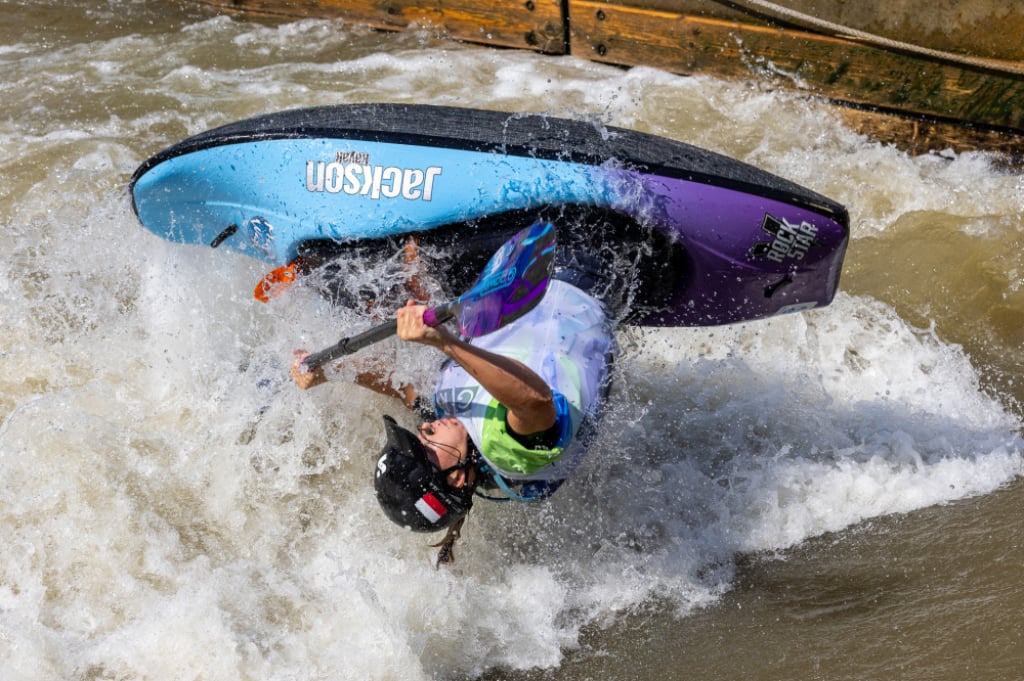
446 443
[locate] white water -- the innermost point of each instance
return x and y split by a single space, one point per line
152 529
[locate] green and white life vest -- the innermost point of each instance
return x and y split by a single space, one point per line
566 339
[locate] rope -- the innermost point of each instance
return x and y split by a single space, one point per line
772 10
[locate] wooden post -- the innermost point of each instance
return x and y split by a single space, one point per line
531 24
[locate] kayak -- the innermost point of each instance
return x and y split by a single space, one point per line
685 236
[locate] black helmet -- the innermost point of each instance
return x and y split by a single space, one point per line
410 489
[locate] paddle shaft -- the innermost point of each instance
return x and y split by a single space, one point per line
346 346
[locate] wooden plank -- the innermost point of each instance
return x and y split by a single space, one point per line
531 24
917 135
830 67
979 28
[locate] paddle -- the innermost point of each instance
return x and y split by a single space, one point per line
511 284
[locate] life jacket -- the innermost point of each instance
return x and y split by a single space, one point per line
568 341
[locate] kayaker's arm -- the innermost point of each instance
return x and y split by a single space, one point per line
528 398
376 379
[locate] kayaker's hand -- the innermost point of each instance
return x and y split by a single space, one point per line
412 328
303 376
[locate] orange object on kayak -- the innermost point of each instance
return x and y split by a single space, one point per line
275 282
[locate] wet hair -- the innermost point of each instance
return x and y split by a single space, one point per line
446 555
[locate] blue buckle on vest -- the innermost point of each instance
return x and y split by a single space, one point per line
528 490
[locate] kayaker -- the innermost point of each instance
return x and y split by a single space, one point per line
510 411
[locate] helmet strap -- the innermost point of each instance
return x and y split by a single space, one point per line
469 460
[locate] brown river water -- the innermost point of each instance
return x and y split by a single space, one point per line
830 495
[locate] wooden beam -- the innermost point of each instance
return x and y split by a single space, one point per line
531 24
918 135
916 103
834 68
